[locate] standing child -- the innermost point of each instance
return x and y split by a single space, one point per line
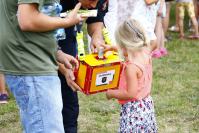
161 13
188 5
137 109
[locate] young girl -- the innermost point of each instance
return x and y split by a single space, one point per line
137 109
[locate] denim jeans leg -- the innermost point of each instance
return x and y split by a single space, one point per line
40 103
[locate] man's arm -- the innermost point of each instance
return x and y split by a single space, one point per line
95 26
30 19
95 32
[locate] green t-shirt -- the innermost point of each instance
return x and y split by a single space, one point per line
25 53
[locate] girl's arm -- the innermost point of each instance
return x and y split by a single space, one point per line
132 85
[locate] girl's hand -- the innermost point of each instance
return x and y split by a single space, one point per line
108 94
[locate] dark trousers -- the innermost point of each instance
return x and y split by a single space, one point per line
70 110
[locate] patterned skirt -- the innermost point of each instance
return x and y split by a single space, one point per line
138 117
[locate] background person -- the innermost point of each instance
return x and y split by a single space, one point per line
95 25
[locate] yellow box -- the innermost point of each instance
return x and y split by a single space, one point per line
96 75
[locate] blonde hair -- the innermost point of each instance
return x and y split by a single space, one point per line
130 34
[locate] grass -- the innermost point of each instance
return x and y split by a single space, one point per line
175 92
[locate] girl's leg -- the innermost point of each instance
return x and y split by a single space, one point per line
167 18
156 53
195 25
158 31
181 10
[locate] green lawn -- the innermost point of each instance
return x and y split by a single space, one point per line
175 92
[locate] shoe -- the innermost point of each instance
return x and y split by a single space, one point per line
156 54
174 28
169 38
194 37
3 98
163 51
181 37
191 30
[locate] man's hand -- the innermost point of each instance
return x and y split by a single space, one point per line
96 43
69 75
69 61
95 32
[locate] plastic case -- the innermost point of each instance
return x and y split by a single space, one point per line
97 75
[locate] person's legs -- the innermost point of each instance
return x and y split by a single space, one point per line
160 51
70 110
40 103
195 25
191 12
3 91
166 18
196 7
175 27
181 19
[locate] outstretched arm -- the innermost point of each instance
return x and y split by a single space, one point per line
31 19
132 85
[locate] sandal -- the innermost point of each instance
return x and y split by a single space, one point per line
194 37
174 28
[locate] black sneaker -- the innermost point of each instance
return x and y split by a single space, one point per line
3 98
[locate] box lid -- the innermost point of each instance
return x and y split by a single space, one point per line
111 57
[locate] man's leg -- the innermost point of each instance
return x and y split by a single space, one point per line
40 103
70 110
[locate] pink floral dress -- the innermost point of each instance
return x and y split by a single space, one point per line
137 115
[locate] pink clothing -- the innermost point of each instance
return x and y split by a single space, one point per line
144 83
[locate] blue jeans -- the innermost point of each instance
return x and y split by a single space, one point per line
40 102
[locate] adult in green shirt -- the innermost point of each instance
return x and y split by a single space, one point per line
28 58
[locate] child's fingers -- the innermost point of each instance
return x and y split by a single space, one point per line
77 7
